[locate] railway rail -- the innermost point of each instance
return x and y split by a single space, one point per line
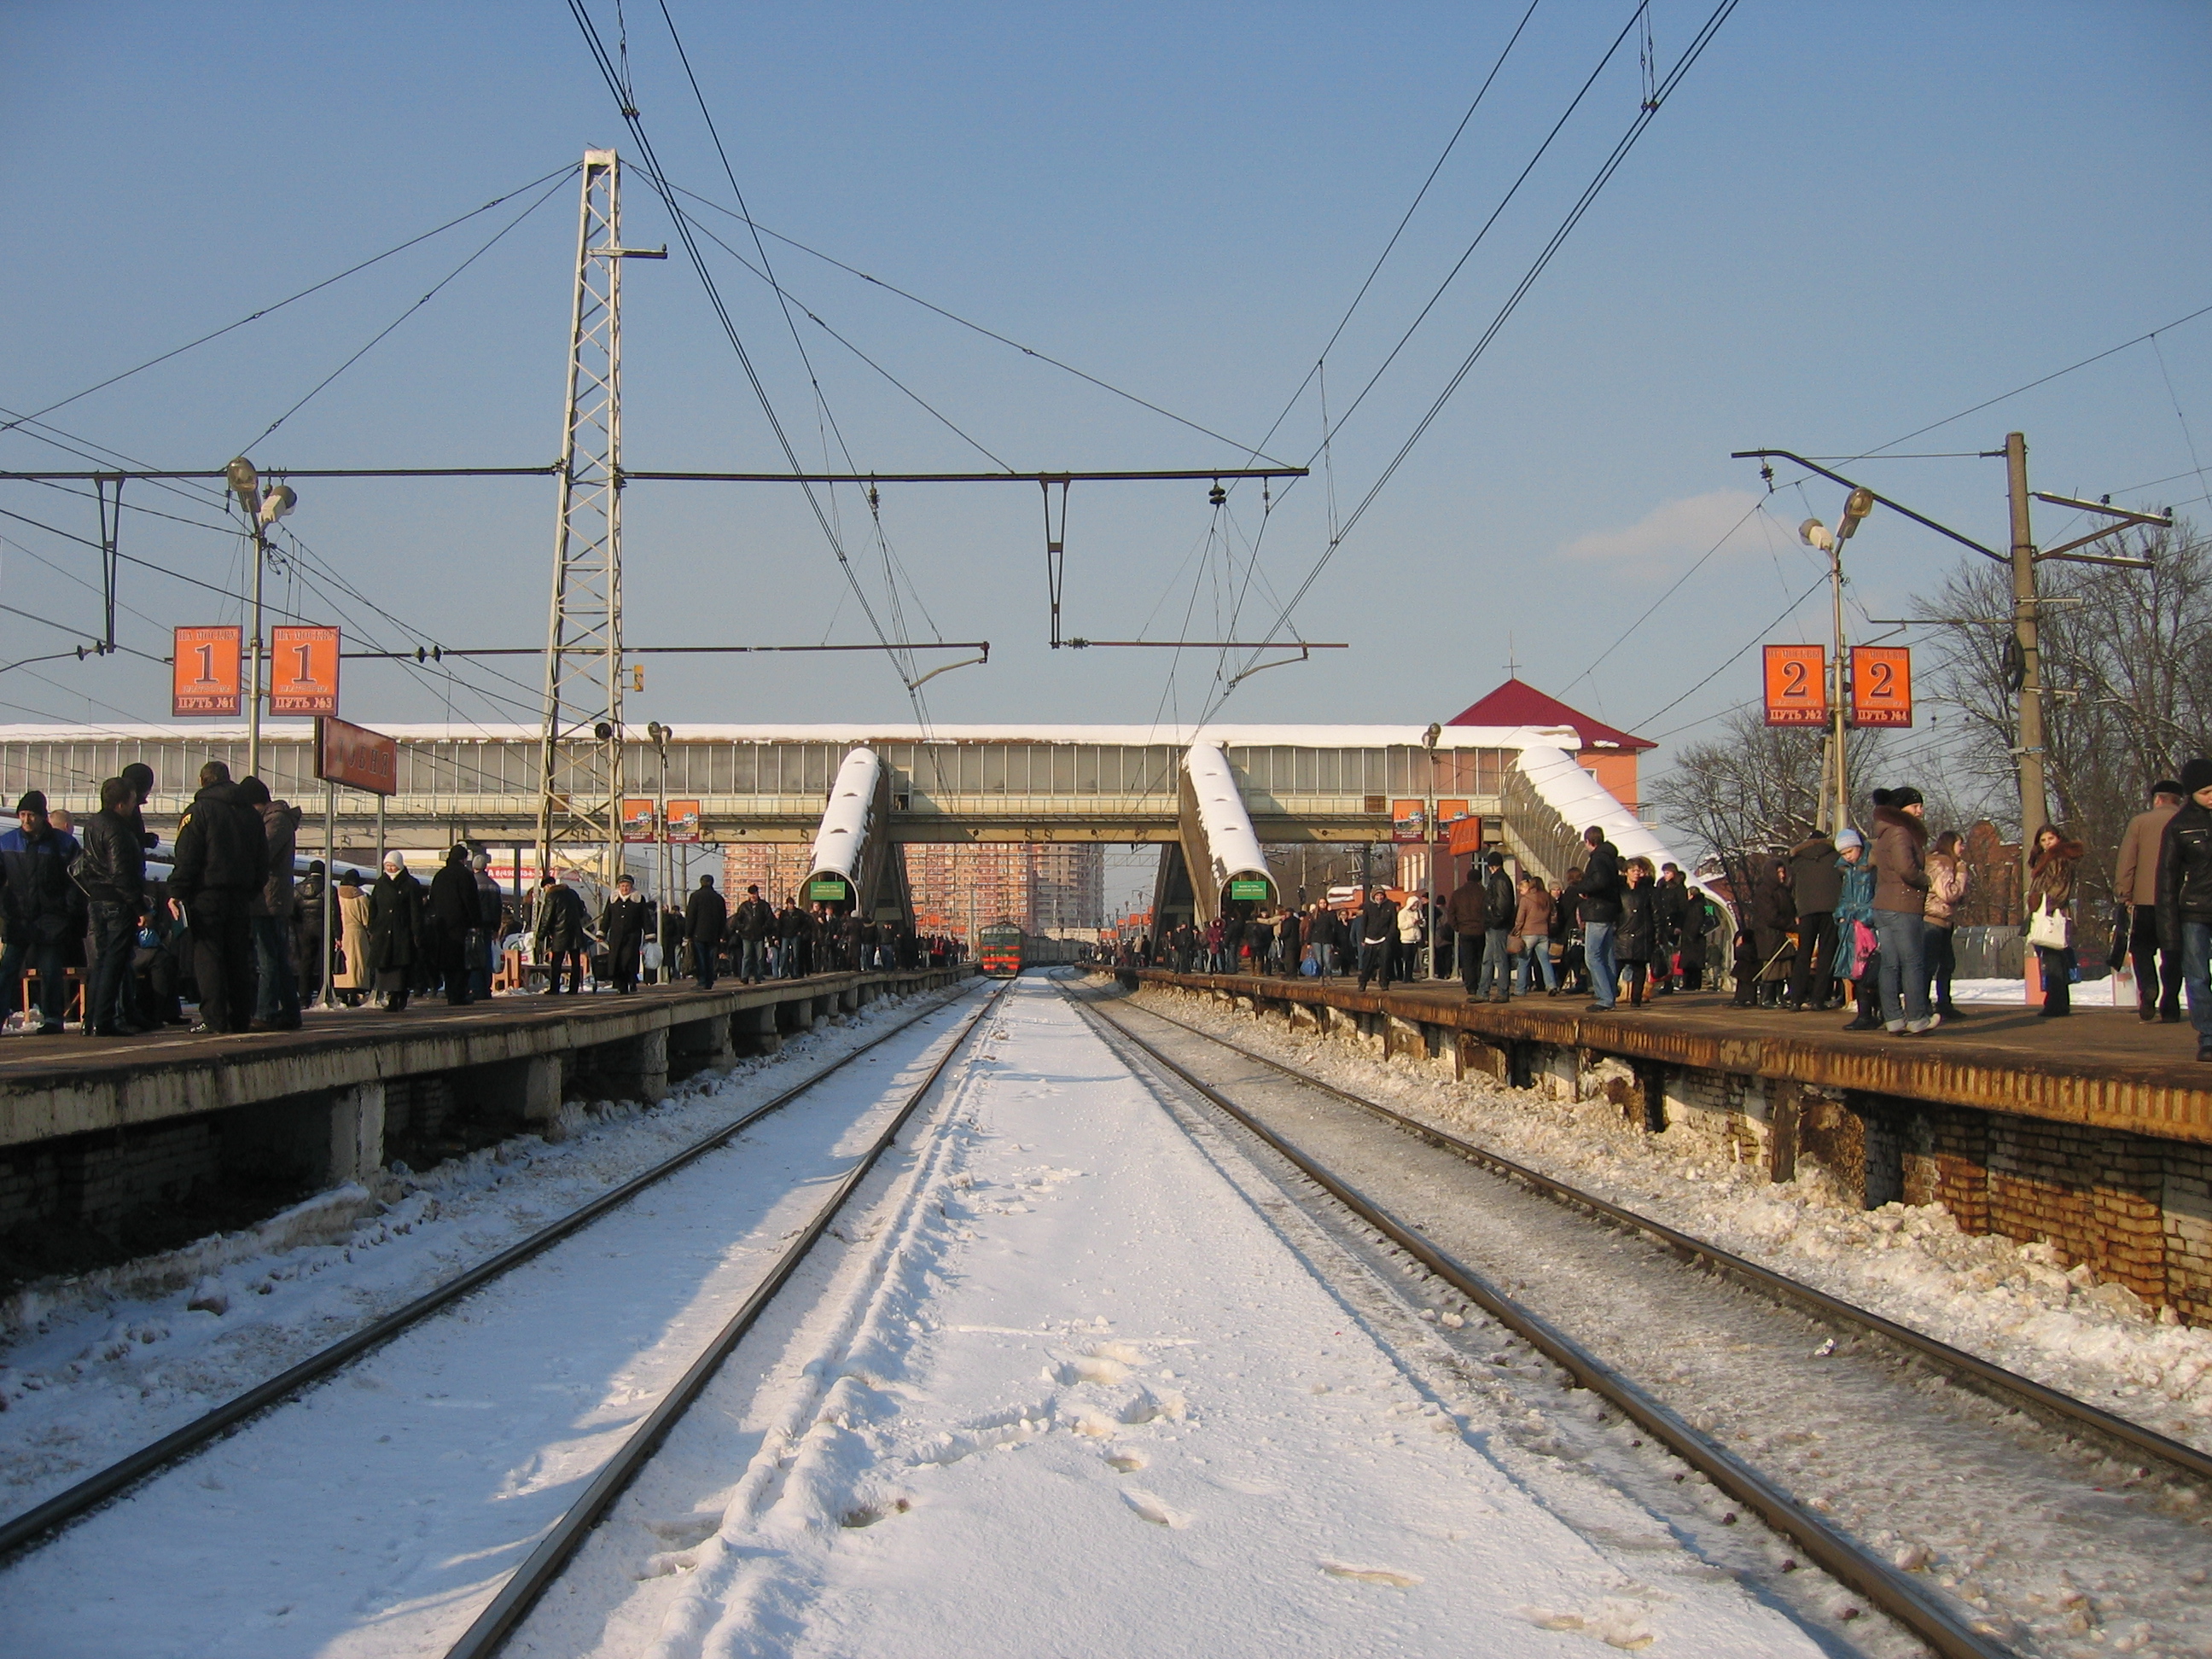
47 1520
1895 1592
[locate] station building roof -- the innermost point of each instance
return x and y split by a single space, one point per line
1518 703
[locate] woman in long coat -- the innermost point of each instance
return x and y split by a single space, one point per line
396 944
1636 935
354 976
2051 887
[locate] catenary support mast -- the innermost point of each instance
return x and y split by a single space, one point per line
580 805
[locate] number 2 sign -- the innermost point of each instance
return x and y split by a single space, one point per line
205 678
303 671
1796 686
1881 685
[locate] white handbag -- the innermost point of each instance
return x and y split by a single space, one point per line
2050 930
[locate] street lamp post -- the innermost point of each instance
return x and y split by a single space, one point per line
1429 830
1836 808
262 508
659 734
2021 559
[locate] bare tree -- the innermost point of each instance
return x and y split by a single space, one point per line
1754 788
2127 676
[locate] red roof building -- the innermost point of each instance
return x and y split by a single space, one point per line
1606 753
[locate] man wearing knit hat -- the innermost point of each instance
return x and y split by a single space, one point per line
2184 895
1900 900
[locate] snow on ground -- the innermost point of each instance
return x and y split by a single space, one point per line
95 1368
2007 1302
1073 1391
378 1512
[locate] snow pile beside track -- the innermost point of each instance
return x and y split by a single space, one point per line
2007 1302
102 1365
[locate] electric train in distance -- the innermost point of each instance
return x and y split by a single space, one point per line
998 949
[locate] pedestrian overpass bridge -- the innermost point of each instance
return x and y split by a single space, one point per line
1209 798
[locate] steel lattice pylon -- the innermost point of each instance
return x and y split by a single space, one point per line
579 820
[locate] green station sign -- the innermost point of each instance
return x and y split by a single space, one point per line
1248 889
830 890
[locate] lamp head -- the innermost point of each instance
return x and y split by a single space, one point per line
1814 534
244 482
276 503
1860 503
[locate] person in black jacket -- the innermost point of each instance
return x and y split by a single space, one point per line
624 924
112 874
705 919
222 862
1816 883
1377 934
42 910
398 935
753 925
2184 895
1636 936
1600 891
454 913
1500 902
1671 897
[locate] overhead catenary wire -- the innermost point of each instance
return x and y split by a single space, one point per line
381 334
1646 113
656 177
311 288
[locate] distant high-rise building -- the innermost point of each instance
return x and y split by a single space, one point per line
957 889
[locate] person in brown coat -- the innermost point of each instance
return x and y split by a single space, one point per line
1468 913
1901 903
1532 926
2134 884
2050 888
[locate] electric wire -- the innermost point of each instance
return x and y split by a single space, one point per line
379 337
267 310
1650 609
1376 269
1044 357
1736 656
1645 114
657 178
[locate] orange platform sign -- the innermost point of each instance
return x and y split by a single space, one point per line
303 669
1466 836
1796 686
204 676
1881 685
356 756
1409 821
639 820
684 821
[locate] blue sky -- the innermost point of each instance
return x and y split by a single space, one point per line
1849 221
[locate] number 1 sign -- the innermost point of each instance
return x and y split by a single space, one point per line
303 671
1796 686
205 678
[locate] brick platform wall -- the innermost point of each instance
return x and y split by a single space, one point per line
2137 1210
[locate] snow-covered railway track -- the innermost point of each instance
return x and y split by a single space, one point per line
1423 1215
601 1479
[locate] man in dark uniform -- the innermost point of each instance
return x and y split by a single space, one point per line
222 859
704 919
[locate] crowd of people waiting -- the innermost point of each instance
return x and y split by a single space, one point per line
1838 921
236 930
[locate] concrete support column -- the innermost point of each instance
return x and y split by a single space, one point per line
756 1030
703 1044
636 1068
527 1091
356 1133
849 999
